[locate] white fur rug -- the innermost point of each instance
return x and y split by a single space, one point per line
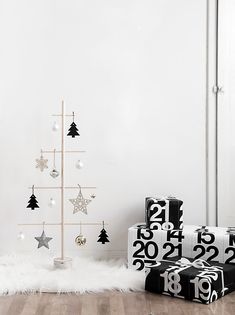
25 274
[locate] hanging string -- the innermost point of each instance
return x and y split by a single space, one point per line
54 158
80 228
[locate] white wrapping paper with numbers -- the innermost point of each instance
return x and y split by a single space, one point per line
146 247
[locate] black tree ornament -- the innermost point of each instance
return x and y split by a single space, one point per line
103 237
73 130
32 203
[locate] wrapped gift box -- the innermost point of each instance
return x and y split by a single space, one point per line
146 246
164 213
226 239
195 280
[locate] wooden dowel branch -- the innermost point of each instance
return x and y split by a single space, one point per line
58 151
58 187
69 223
59 115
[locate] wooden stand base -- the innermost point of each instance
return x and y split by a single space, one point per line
63 263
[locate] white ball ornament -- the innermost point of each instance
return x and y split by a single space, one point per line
55 126
51 202
79 164
21 236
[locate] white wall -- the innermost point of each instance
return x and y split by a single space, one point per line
226 114
134 72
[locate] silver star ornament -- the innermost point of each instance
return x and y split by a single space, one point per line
43 240
80 203
41 163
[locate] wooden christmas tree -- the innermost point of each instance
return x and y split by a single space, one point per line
79 203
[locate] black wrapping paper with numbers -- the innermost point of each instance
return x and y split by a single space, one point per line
164 214
195 280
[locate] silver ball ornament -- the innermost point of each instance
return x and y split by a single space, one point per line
80 240
54 173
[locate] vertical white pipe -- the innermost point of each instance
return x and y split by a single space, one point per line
62 180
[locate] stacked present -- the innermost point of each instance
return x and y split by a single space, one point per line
160 244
